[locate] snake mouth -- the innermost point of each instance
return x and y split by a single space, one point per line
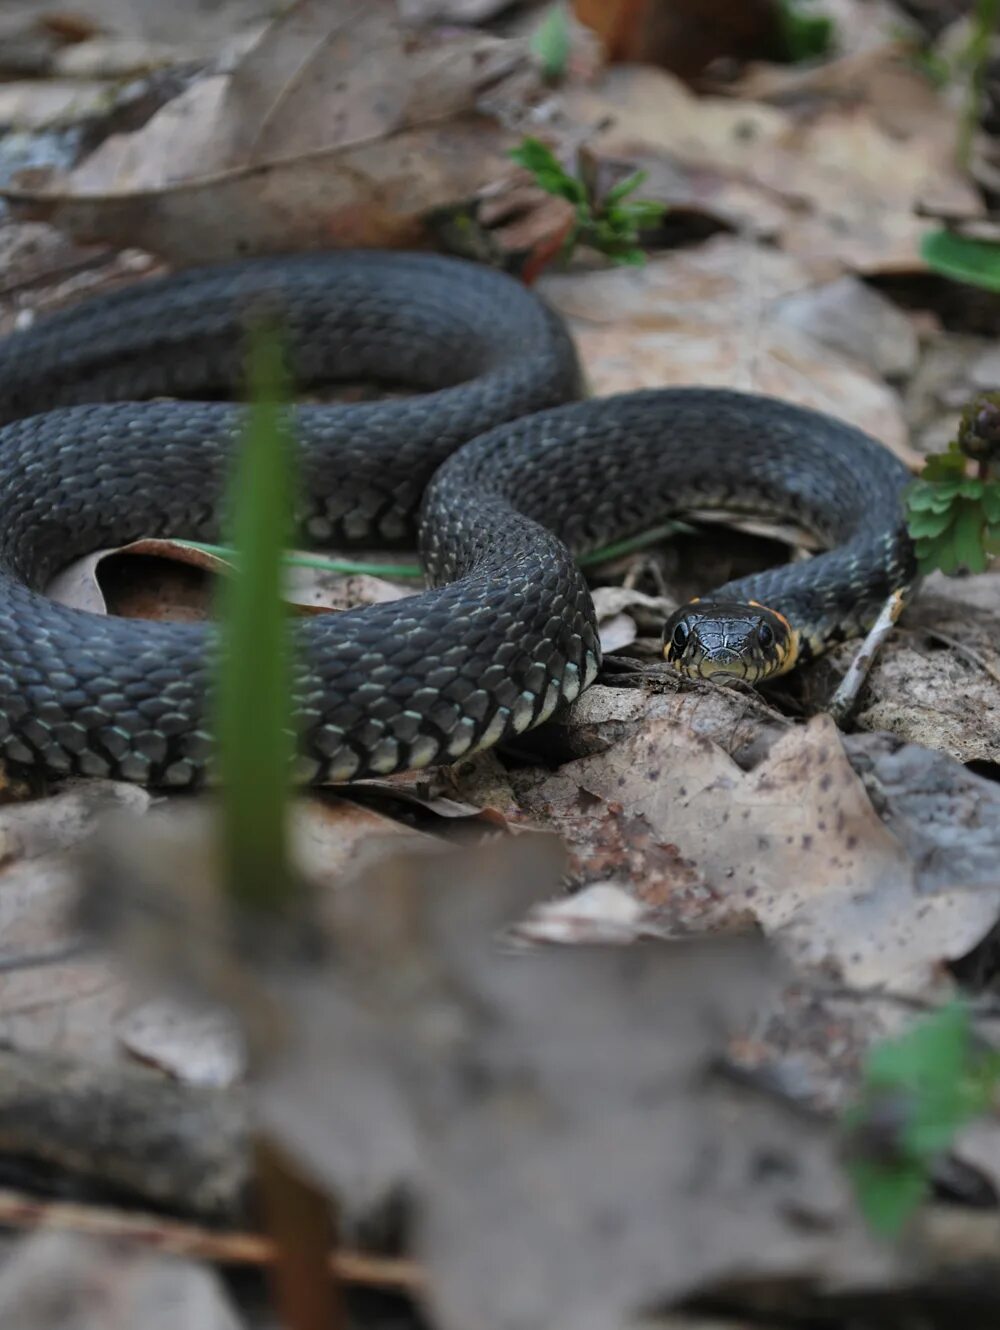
729 642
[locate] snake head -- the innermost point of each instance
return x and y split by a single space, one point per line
726 640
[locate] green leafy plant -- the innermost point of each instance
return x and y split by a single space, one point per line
255 738
918 1091
953 517
611 224
804 35
550 42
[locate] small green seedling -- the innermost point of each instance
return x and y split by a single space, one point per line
253 707
550 42
805 35
611 224
919 1091
954 518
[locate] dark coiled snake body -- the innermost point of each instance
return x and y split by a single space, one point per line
492 466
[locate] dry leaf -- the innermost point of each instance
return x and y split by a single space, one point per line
848 187
69 1001
795 842
164 579
338 127
64 1281
709 316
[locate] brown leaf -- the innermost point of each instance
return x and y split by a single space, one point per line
795 841
842 188
712 316
168 579
53 1281
338 127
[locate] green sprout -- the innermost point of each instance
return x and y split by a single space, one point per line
254 722
610 225
803 35
954 518
550 42
918 1092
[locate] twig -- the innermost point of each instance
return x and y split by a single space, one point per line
21 1211
845 698
300 1221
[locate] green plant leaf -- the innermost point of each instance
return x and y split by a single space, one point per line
644 212
804 36
922 496
254 728
550 42
935 1046
632 258
919 1090
962 258
940 468
991 501
928 523
971 488
535 157
967 536
888 1196
624 187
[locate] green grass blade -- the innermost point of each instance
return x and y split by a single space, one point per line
962 258
350 566
550 42
255 742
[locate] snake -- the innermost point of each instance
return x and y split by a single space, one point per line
121 416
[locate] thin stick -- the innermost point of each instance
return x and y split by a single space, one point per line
21 1211
845 698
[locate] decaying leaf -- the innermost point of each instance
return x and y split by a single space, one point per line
847 187
707 316
339 126
64 1281
795 841
569 1156
54 992
172 579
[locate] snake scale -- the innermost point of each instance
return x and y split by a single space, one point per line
491 465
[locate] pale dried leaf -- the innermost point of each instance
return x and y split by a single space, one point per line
62 1281
195 1044
541 1216
795 841
710 316
66 1003
849 187
336 127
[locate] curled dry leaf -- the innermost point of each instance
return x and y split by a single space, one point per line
166 579
794 841
338 127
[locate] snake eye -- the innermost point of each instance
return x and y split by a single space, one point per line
680 636
765 635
